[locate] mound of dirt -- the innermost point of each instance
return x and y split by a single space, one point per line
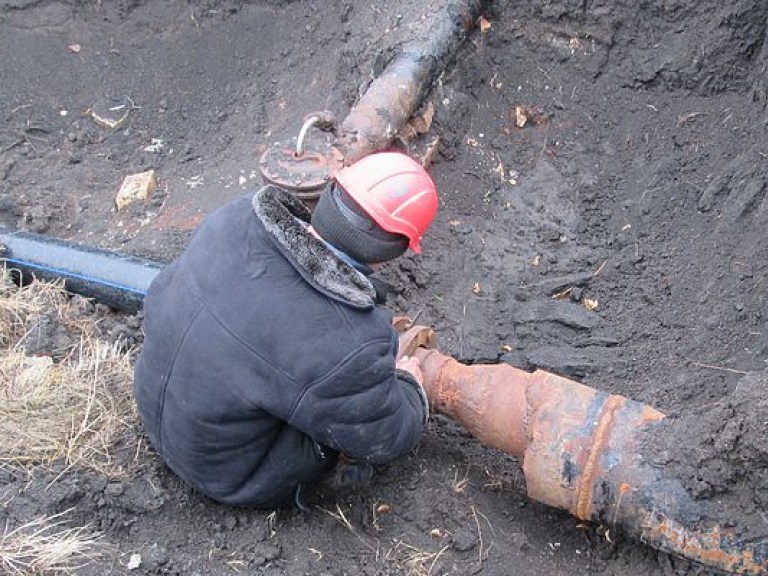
719 454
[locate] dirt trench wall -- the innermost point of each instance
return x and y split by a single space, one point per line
719 454
706 47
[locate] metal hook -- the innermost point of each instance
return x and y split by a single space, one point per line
308 123
324 121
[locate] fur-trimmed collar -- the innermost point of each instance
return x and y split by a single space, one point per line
278 211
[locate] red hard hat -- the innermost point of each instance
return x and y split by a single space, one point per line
395 191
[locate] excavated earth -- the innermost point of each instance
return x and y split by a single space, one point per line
618 236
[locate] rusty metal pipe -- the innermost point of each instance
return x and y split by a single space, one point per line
393 97
580 452
381 112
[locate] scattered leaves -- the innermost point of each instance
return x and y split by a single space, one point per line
523 114
134 562
521 119
383 508
590 304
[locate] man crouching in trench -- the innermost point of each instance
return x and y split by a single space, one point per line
267 360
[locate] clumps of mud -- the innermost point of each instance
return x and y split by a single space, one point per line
719 454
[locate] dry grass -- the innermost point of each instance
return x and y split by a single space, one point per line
66 398
408 559
418 562
45 546
72 403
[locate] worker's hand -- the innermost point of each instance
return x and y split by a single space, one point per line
412 365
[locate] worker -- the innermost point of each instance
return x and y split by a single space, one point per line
268 360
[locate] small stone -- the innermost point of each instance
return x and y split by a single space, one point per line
114 489
134 562
464 540
136 187
520 540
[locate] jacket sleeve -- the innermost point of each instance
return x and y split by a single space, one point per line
365 408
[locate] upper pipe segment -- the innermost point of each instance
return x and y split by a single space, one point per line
393 97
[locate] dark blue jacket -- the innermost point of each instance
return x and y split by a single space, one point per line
265 355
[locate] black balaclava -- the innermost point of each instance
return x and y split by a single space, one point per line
341 222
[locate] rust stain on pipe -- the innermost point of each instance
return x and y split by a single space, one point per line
716 547
583 508
579 451
493 409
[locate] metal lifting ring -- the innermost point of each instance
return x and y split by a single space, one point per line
308 123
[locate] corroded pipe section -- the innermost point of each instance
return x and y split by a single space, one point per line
579 450
392 98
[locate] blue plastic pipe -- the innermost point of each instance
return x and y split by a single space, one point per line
117 280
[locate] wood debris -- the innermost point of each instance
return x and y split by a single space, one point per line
113 123
564 294
429 155
418 124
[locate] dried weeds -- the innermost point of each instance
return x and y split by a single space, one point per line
46 545
66 391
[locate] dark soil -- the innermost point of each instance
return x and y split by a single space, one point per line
719 454
638 184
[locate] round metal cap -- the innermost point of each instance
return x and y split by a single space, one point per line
305 174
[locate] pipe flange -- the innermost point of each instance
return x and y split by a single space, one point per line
304 175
